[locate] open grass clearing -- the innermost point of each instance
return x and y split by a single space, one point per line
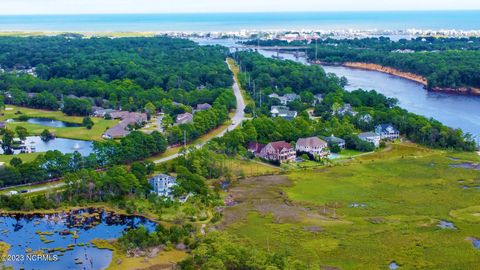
368 212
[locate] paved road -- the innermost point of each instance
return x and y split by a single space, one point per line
237 119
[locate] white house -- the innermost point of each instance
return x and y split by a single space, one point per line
162 184
313 146
370 137
282 111
387 132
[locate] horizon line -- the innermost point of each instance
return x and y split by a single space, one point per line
240 12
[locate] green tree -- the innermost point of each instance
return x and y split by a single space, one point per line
87 122
16 161
22 132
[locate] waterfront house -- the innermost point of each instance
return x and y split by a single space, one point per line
332 140
184 118
387 132
278 151
282 111
370 137
162 184
313 146
122 129
118 131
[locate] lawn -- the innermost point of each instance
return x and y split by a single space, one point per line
373 210
80 133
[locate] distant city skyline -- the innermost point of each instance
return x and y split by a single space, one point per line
18 7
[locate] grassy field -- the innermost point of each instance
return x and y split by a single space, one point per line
80 133
249 168
365 214
165 260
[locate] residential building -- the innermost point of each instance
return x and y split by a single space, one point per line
255 148
291 97
344 110
318 99
118 131
367 118
162 184
101 112
278 151
184 118
313 146
203 107
332 140
387 132
287 98
282 111
370 137
122 129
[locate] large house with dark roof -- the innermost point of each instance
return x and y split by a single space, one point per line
283 111
313 146
278 151
184 118
332 140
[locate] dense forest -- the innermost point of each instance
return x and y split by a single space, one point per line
113 72
445 62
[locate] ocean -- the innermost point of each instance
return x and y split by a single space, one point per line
399 20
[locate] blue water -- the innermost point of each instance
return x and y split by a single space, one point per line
21 233
398 20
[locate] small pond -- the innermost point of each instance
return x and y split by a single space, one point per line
66 235
443 224
466 165
47 122
63 145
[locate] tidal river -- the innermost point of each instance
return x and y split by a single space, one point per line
456 111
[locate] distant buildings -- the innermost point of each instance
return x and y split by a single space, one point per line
283 111
313 146
184 118
162 184
387 132
332 141
287 98
370 137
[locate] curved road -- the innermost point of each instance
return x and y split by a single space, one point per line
237 119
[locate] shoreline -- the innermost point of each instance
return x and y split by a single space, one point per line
408 76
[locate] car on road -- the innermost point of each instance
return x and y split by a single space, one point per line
23 191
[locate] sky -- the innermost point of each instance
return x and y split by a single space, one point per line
12 7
